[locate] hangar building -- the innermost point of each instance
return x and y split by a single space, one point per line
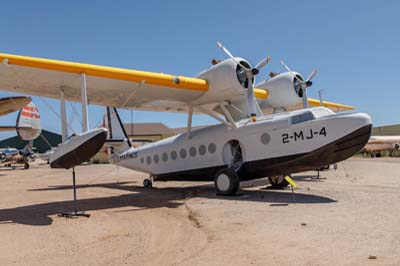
391 130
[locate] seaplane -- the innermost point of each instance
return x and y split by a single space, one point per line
259 134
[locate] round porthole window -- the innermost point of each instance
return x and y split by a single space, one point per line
174 155
212 148
183 153
265 138
202 150
165 157
192 151
156 158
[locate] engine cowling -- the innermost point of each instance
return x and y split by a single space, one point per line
283 91
227 81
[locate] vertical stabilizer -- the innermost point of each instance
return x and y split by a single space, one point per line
28 122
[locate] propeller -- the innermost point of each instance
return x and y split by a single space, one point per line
300 85
250 74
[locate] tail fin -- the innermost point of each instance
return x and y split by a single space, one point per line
117 139
28 122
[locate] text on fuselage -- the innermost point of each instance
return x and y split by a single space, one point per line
303 135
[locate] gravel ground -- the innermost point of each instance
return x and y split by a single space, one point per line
350 216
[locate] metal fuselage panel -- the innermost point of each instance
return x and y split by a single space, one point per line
278 136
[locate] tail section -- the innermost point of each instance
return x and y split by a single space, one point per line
117 139
28 122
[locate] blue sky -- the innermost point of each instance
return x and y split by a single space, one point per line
353 44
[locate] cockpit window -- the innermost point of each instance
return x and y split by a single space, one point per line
303 117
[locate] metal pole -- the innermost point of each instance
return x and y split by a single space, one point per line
85 118
321 102
64 126
74 184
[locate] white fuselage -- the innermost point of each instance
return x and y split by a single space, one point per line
383 143
275 136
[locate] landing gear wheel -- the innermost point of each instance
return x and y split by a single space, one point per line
147 183
26 166
226 182
278 181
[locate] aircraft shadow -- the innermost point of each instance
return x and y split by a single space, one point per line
308 178
142 198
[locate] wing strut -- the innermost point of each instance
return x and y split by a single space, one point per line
85 118
189 122
227 115
213 115
64 126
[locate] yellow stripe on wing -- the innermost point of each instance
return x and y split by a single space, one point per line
315 102
178 82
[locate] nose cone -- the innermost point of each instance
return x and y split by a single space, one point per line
360 120
353 142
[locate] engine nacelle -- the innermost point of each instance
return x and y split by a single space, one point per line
282 91
227 81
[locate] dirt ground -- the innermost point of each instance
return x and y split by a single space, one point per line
344 218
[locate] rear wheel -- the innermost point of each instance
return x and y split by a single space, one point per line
26 166
278 181
226 182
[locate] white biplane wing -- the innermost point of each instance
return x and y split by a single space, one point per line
108 86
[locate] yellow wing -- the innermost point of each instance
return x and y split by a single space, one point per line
105 85
108 86
336 107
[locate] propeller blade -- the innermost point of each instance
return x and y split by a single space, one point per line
251 102
285 66
305 99
230 55
311 76
263 62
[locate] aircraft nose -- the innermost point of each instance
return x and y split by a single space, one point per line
359 120
365 119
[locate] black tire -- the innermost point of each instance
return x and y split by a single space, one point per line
26 166
147 183
275 182
226 182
